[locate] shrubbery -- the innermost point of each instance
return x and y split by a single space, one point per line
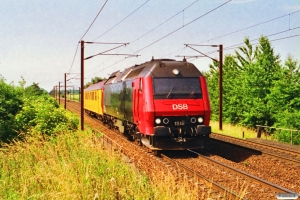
10 104
32 111
42 115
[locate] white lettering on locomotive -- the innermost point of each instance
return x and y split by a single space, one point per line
180 106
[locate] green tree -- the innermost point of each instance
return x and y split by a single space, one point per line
248 77
34 90
94 80
232 104
10 104
285 105
212 77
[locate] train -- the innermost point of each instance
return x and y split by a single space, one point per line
162 104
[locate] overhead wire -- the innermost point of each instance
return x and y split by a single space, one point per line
94 20
86 33
230 47
164 22
237 45
183 26
270 20
122 20
74 57
148 31
171 32
207 40
251 26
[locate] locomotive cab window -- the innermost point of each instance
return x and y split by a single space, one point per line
177 88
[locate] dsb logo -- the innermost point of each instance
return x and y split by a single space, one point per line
180 106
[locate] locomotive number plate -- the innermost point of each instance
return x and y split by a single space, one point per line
179 123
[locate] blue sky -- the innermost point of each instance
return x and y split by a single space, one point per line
39 38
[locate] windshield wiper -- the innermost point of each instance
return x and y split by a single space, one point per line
171 91
193 92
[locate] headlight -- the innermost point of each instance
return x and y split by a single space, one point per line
165 120
193 120
175 72
200 119
157 121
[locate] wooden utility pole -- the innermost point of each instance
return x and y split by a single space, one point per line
82 86
220 86
58 93
65 90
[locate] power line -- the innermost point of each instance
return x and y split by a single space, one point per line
122 20
86 33
250 26
146 32
74 58
230 47
172 31
94 20
164 21
183 26
276 39
237 45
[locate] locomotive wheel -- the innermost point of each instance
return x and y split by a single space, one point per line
110 125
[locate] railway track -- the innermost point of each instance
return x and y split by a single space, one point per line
239 181
218 185
286 155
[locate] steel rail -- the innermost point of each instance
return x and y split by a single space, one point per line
264 148
192 173
274 187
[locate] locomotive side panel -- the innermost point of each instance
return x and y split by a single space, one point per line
114 100
118 100
128 93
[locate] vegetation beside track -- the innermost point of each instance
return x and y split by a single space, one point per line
31 110
67 166
258 89
237 131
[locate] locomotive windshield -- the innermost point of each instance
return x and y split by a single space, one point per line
177 88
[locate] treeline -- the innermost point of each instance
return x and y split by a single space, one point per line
258 89
30 111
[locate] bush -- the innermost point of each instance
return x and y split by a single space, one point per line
10 105
42 115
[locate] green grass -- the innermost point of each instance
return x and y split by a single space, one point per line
70 166
75 166
233 130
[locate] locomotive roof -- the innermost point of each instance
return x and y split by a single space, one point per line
153 68
164 68
157 68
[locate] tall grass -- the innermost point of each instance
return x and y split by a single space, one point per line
69 166
75 166
233 130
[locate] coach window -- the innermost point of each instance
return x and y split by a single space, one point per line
141 85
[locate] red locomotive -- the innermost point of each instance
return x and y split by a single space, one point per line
163 104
